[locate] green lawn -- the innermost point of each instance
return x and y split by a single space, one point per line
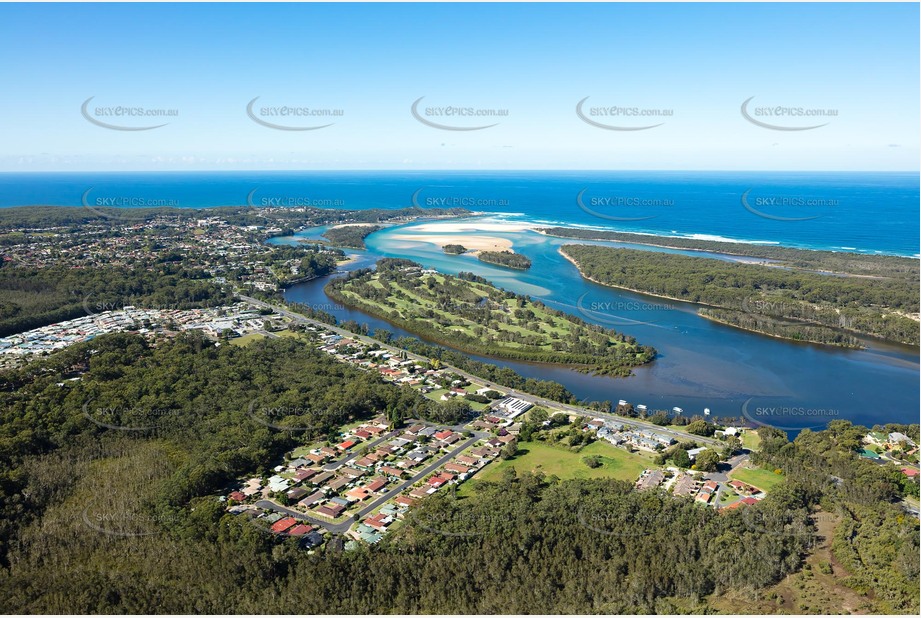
246 339
288 333
751 440
555 460
762 479
436 394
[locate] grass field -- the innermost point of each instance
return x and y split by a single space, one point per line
246 339
555 460
762 479
751 440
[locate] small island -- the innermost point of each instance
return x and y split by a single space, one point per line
505 258
454 249
351 235
468 313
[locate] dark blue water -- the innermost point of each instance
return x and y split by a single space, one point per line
867 212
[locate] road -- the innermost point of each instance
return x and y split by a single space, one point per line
538 401
343 527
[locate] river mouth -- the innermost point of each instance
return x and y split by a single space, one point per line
701 364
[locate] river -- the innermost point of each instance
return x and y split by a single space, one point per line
701 364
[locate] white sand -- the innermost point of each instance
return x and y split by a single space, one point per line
471 242
335 227
472 226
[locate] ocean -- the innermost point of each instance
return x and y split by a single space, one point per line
861 212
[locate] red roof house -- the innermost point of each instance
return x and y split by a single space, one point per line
283 524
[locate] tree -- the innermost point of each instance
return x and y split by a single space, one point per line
701 428
707 460
681 458
538 415
510 449
592 461
733 445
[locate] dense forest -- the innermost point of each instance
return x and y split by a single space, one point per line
505 258
468 313
98 520
350 235
863 305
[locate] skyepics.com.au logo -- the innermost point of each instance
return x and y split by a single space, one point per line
136 308
625 520
291 201
454 522
291 418
291 117
125 117
456 117
125 520
617 207
615 313
455 201
621 117
131 418
312 307
786 117
780 414
759 305
774 521
779 207
128 208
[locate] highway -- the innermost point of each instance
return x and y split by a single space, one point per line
538 401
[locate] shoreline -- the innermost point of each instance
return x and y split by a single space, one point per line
712 319
539 229
761 332
618 287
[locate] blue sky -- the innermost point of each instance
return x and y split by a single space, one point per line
694 63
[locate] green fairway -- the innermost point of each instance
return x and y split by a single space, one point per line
474 316
762 479
559 461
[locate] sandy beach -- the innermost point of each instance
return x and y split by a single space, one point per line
471 242
335 227
451 227
474 235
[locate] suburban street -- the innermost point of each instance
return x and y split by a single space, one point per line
343 527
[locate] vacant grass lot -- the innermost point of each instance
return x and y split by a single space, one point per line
762 479
560 461
246 339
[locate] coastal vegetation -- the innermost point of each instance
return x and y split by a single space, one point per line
841 262
784 329
468 313
352 236
767 298
505 258
452 249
